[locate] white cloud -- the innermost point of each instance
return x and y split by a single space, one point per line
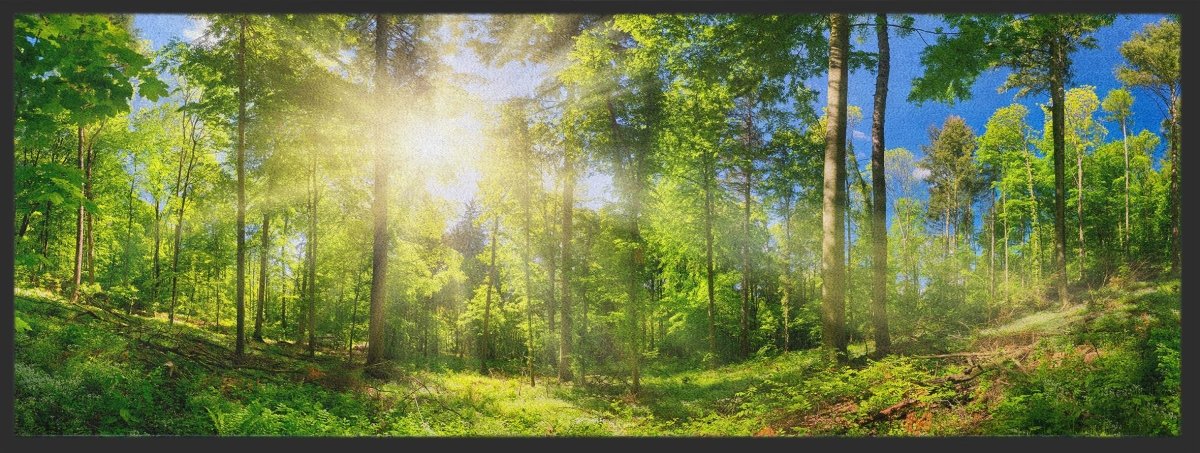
859 135
196 29
921 173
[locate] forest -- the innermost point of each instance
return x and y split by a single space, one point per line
597 225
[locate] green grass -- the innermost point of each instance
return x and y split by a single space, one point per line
1112 368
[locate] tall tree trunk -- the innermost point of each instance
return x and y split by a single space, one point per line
1058 71
1176 209
240 347
1034 224
262 277
282 274
1079 207
833 272
156 268
786 299
78 277
1125 231
1004 213
183 193
485 341
311 317
526 193
379 253
883 341
744 331
87 195
708 261
353 320
566 339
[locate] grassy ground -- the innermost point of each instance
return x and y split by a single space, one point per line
1109 366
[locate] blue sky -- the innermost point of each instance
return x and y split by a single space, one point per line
907 124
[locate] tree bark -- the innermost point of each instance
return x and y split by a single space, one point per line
833 272
1125 144
78 277
708 261
379 253
883 342
565 339
183 189
1057 74
240 346
311 317
262 277
485 341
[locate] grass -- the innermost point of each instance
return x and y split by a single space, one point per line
1110 366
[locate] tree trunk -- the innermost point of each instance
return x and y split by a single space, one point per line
1034 224
379 253
155 272
78 276
708 261
353 320
786 300
282 274
183 193
833 272
565 339
262 277
883 342
485 341
87 195
312 264
1058 71
1079 207
525 206
1004 212
1125 235
744 331
240 347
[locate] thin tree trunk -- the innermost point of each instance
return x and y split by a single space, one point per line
183 193
485 342
883 342
78 276
353 320
262 277
708 261
786 300
240 347
744 334
87 195
1004 212
1079 206
282 274
525 206
1125 236
312 261
833 272
565 339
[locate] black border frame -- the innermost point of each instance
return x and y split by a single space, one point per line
157 443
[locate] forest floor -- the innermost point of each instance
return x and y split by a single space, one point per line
1106 366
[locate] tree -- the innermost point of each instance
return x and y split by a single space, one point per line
879 193
833 272
953 177
379 254
1037 48
82 67
1118 103
1154 65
